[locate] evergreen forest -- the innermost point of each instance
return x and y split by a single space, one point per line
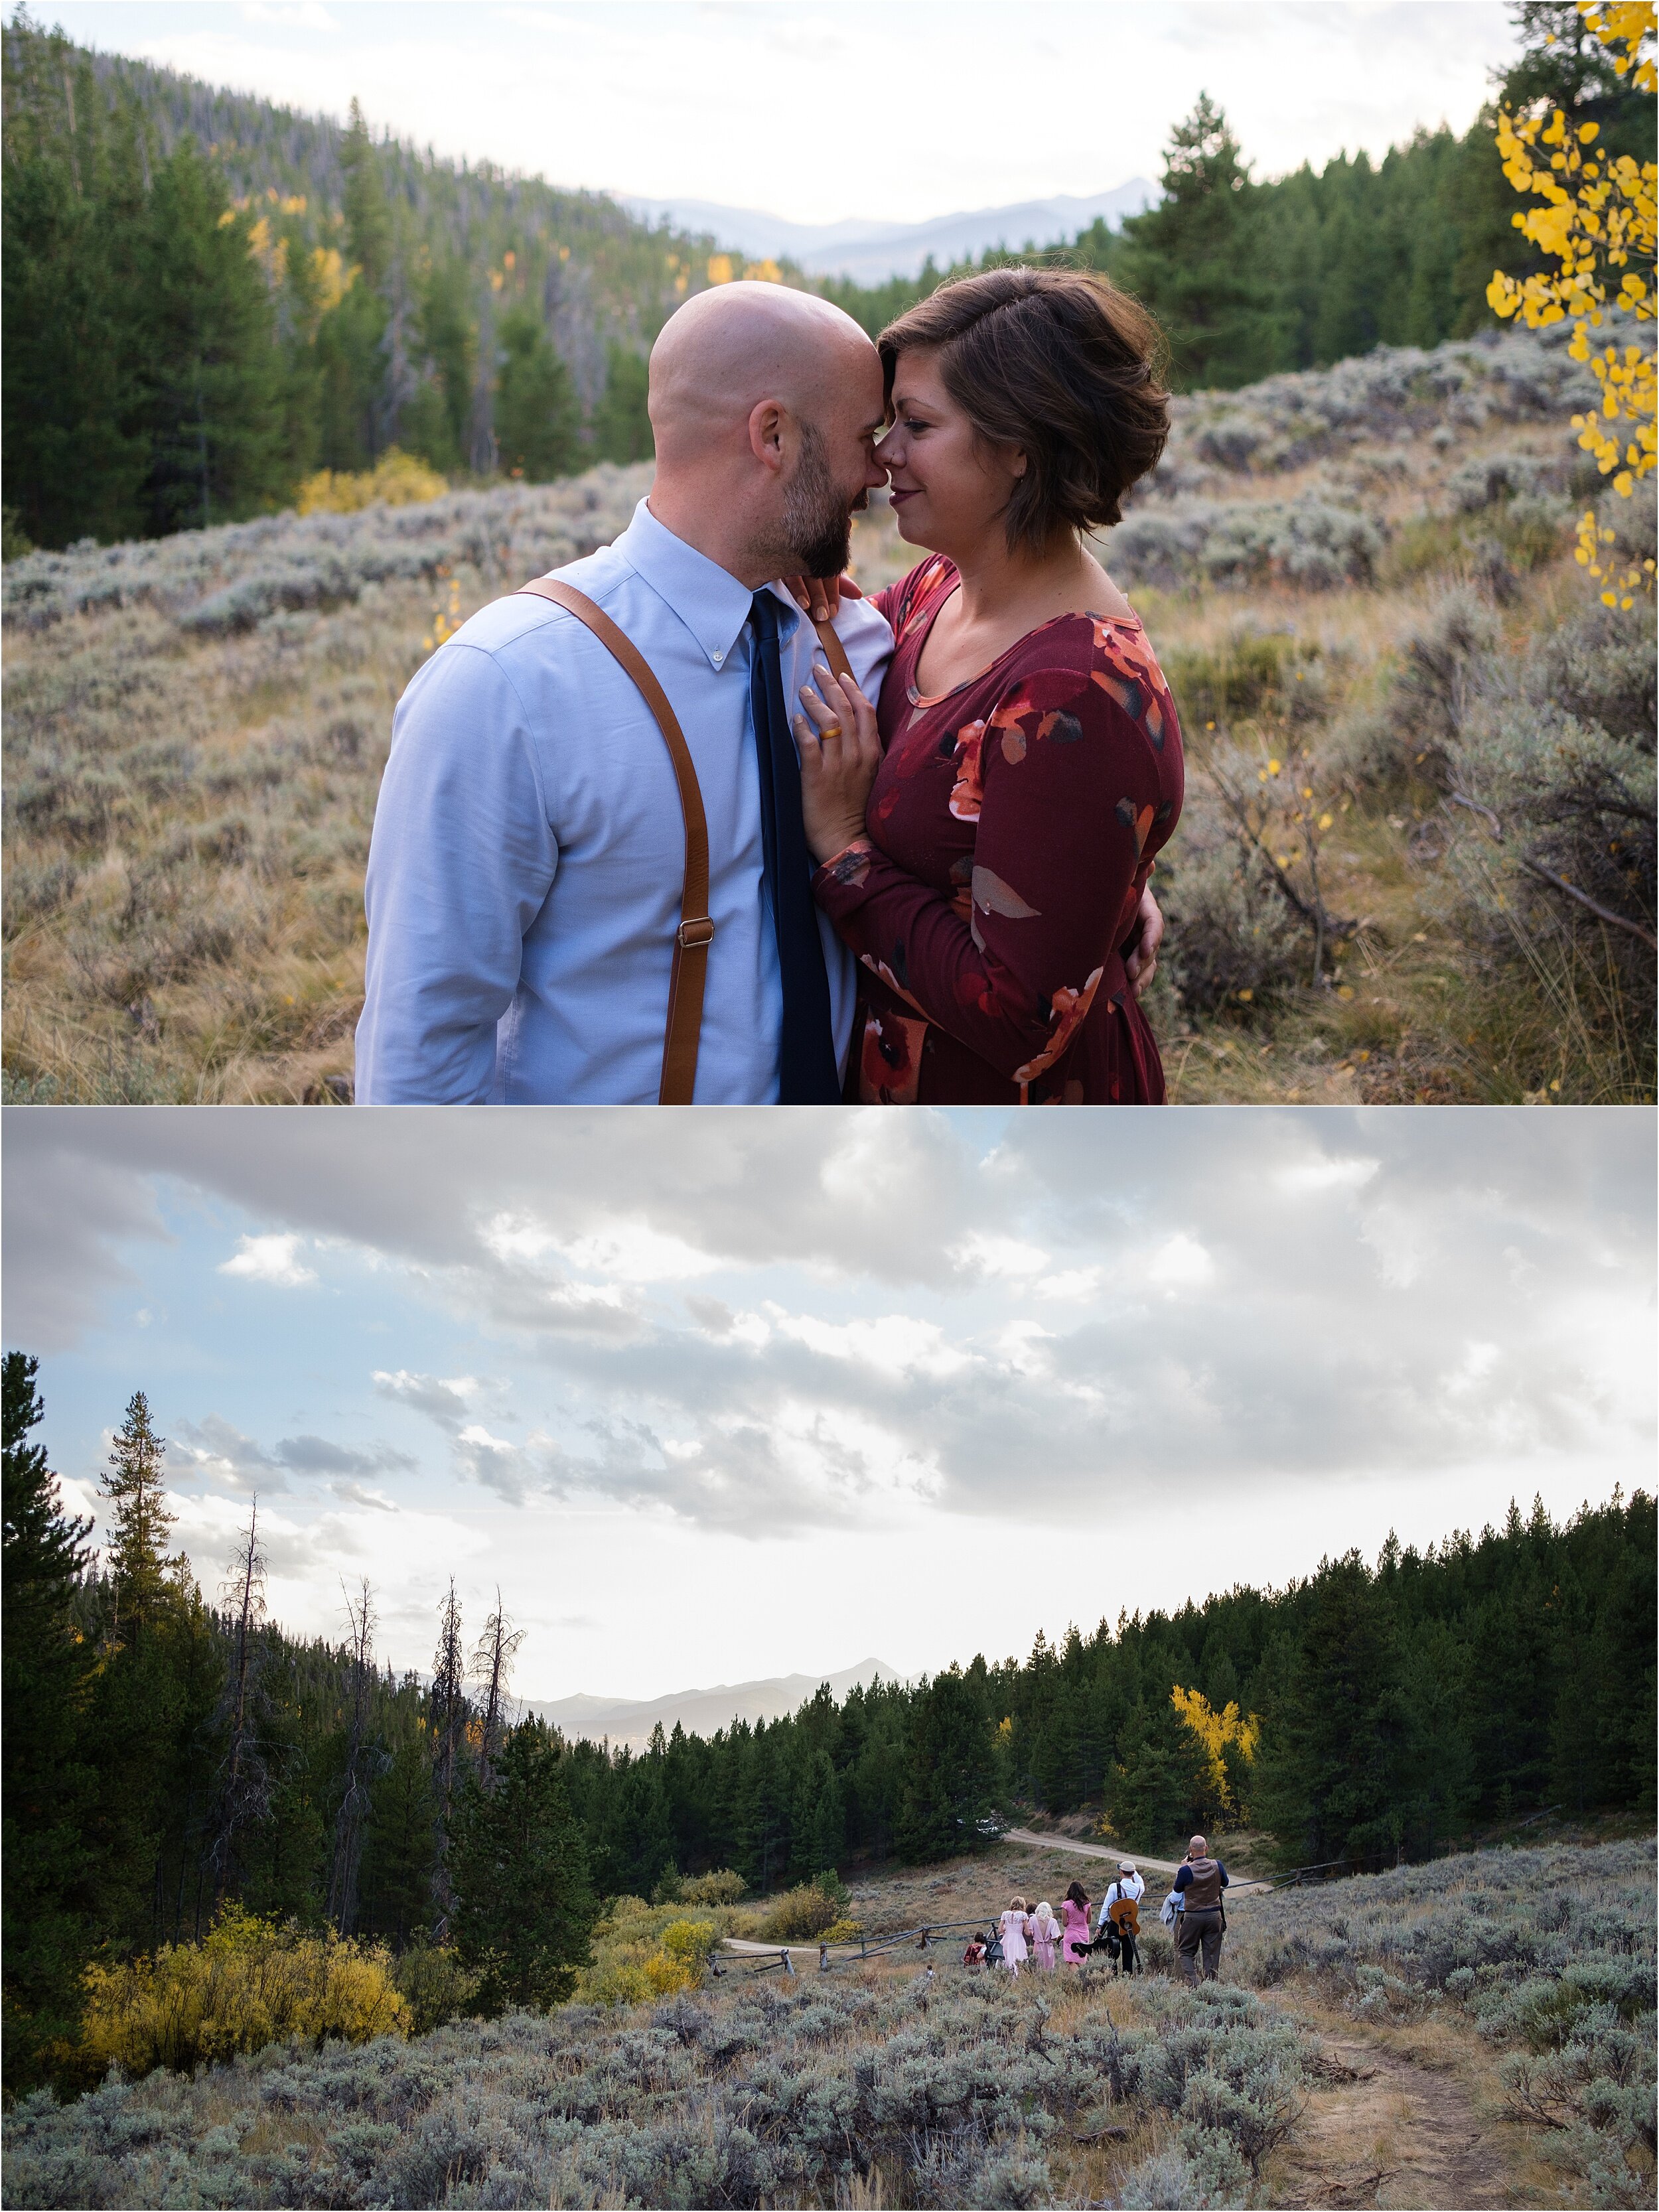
170 1753
207 298
1249 278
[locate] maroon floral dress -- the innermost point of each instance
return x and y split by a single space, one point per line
1010 832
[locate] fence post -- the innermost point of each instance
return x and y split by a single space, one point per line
823 1958
788 1967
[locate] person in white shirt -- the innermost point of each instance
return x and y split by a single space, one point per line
526 866
1117 1932
1129 1883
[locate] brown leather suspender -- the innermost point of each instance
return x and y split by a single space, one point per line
695 932
834 651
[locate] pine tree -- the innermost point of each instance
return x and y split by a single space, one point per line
948 1807
436 420
211 373
523 1900
538 416
46 1784
141 1573
1192 257
74 461
622 421
367 218
1159 1792
1332 1774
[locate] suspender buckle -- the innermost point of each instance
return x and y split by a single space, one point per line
692 934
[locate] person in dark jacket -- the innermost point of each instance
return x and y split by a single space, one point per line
1200 1881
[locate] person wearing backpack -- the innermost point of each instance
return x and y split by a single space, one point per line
1199 1882
1120 1918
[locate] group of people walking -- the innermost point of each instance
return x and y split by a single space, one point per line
1038 1937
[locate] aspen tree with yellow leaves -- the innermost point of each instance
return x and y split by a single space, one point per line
1597 223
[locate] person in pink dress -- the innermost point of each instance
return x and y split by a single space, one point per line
1074 1944
1045 1934
1015 1929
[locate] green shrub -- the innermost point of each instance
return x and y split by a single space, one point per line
435 1984
724 1887
1233 939
799 1915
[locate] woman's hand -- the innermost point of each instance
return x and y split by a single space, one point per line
840 749
820 597
1140 963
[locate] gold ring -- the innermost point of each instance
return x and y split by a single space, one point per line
830 729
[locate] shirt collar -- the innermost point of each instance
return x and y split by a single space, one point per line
707 599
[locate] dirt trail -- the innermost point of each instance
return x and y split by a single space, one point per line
1243 1885
1382 2131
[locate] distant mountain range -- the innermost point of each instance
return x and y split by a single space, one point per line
872 251
700 1712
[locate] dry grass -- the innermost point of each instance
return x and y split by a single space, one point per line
195 733
188 808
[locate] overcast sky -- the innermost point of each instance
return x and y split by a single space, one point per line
730 1394
894 110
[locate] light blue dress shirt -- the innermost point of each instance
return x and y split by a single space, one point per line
525 869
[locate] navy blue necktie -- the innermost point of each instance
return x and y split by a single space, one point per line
808 1060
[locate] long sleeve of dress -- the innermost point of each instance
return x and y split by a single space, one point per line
1062 784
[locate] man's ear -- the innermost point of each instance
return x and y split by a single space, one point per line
767 418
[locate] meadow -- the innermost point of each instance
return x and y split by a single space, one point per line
1475 2031
1417 861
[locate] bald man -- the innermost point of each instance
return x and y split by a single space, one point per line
526 870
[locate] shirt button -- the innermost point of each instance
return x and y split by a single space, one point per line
719 657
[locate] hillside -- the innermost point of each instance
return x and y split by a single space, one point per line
1475 2032
203 1761
208 298
1364 575
601 273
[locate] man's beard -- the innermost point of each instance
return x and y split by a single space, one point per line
817 529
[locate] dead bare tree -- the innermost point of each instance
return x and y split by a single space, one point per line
492 1666
243 1797
354 1806
448 1734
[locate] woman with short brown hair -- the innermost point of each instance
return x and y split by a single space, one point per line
1031 763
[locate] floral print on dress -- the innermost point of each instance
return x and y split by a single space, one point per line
968 791
1013 824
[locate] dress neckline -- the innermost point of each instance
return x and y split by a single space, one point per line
926 700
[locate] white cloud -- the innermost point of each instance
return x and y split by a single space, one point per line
639 1253
1399 1239
272 1259
891 1344
1181 1263
1070 1285
1331 1171
289 14
1005 1258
